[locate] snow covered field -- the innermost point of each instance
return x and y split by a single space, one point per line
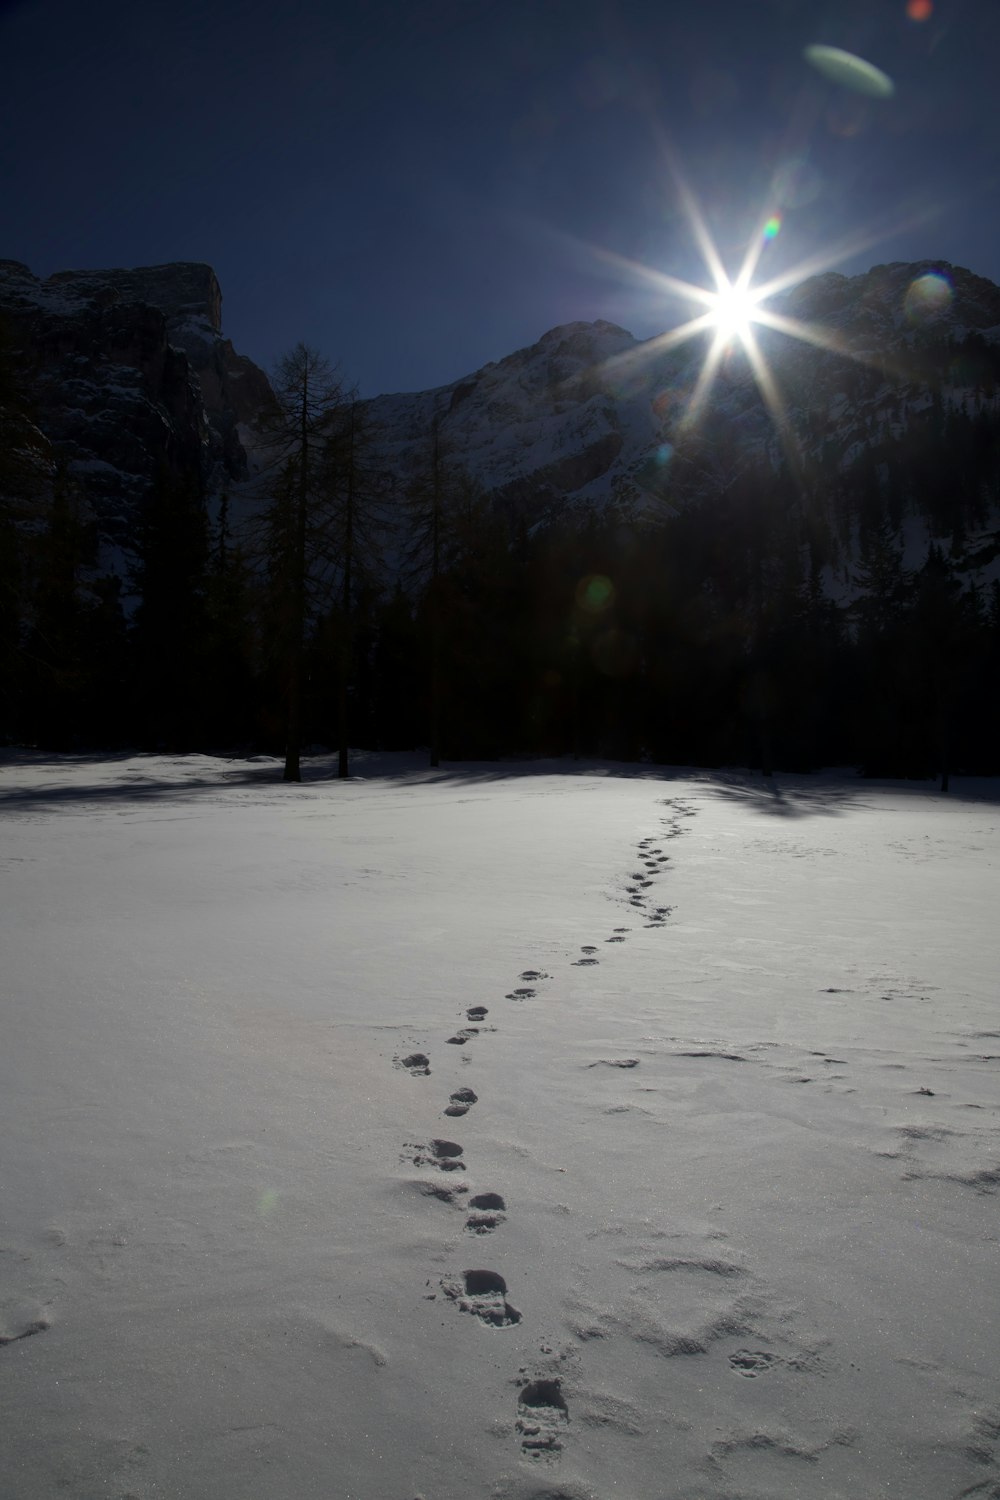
715 1210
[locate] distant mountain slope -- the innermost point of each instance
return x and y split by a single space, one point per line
582 414
899 377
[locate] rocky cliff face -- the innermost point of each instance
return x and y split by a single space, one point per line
127 372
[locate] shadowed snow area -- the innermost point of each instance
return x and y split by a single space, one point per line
701 1202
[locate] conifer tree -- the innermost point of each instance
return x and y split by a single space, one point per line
293 535
353 500
169 624
26 469
444 512
56 646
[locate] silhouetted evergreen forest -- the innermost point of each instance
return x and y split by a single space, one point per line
419 613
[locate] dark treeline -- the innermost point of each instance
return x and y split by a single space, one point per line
355 610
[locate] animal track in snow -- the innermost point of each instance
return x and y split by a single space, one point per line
524 992
476 1013
461 1037
462 1101
615 938
487 1210
534 974
417 1063
584 963
542 1413
484 1294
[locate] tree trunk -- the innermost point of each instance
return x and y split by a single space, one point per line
293 743
344 649
435 598
293 735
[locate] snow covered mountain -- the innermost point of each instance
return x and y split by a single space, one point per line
589 414
129 372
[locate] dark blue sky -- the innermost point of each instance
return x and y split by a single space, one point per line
414 185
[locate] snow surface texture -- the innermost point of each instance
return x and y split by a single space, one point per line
716 1215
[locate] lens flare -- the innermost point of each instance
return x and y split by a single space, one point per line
773 227
926 297
919 10
850 72
595 593
732 312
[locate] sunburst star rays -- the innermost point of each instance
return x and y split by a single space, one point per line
734 307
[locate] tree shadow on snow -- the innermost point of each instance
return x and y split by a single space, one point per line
777 801
802 797
57 780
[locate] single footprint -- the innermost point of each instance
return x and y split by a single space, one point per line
446 1154
438 1153
751 1362
534 974
583 963
487 1211
542 1413
616 938
444 1194
477 1013
623 929
461 1037
417 1063
37 1325
588 948
462 1101
524 993
484 1294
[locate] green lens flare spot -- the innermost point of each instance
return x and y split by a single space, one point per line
595 593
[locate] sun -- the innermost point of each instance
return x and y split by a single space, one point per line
732 310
